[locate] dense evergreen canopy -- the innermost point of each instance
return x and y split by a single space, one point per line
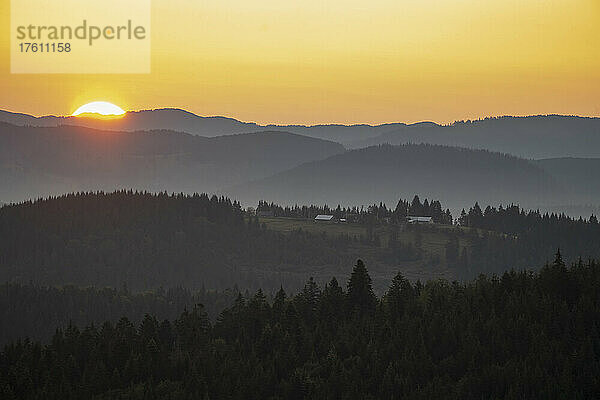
151 240
34 311
521 335
147 241
526 238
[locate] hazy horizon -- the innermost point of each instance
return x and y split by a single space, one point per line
289 62
300 123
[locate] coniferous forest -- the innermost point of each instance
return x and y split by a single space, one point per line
300 200
147 241
131 295
520 335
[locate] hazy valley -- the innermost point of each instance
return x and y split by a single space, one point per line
47 157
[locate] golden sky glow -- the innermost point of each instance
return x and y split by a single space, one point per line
309 61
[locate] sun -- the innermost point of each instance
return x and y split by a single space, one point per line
102 108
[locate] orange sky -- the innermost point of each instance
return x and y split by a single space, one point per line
273 61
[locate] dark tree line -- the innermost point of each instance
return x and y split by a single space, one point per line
149 241
152 240
515 336
515 220
35 311
525 237
376 212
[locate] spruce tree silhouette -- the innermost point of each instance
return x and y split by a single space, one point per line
398 295
360 290
558 261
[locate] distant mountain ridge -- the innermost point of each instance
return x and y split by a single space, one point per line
60 158
541 136
185 121
387 173
535 137
580 176
39 161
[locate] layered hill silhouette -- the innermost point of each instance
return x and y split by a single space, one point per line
386 173
529 137
534 137
43 156
184 121
580 176
53 160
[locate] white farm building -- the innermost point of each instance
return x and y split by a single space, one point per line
324 218
419 220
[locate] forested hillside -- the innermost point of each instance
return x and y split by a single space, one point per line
521 335
534 136
284 167
527 236
147 241
37 162
482 241
578 175
36 311
386 173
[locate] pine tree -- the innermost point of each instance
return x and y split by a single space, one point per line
360 290
398 295
416 207
558 261
332 301
307 300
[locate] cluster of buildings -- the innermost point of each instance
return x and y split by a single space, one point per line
328 218
409 219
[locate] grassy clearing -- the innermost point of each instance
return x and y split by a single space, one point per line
433 243
434 237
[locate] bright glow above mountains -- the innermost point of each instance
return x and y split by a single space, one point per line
312 62
99 107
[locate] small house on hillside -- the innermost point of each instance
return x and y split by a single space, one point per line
419 220
324 218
